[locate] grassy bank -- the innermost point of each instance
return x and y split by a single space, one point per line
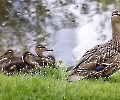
51 85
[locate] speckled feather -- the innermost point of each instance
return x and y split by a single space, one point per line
107 53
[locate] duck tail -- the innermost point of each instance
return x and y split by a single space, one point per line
70 68
77 74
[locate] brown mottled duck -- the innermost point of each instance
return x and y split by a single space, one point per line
10 63
46 60
31 60
102 60
8 57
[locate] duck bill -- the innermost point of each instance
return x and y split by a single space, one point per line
48 49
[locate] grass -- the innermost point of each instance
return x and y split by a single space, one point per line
51 85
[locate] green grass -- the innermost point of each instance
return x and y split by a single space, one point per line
53 86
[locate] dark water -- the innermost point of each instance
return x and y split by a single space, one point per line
69 27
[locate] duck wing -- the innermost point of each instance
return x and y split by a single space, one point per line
16 66
97 52
108 65
89 55
114 66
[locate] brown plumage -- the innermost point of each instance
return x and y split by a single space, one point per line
28 62
11 63
16 66
46 60
107 54
70 68
8 57
32 60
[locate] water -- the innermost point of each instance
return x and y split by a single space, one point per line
69 27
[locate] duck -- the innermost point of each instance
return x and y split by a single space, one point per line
10 62
8 57
16 66
102 60
32 60
46 60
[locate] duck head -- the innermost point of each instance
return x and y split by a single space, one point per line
115 17
8 54
30 59
115 21
39 49
27 57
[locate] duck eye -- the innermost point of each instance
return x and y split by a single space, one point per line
116 13
41 47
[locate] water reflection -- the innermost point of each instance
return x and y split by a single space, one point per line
70 27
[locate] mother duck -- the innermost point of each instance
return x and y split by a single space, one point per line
102 60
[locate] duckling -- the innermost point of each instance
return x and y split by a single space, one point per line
3 57
32 60
10 63
8 57
102 60
50 59
16 66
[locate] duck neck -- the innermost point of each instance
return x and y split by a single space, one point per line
116 35
41 55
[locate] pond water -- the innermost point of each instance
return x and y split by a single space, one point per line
69 27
